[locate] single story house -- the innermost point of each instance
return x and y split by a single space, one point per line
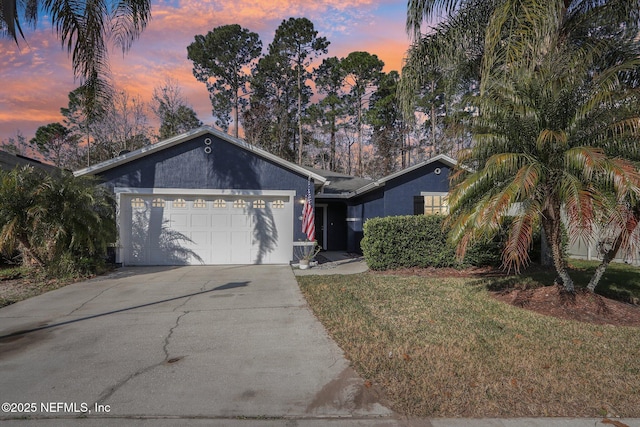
205 197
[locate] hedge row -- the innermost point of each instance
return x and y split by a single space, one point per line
420 241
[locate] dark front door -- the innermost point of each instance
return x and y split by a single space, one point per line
319 222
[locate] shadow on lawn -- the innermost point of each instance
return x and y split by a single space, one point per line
620 282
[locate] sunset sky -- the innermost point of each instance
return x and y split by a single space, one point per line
36 75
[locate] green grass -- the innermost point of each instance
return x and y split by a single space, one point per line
443 347
620 281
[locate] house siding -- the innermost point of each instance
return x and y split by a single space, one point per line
227 167
367 206
393 199
399 192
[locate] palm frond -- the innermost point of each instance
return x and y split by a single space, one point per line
520 237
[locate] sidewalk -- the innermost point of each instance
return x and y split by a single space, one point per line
330 262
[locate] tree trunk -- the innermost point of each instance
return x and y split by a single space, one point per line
433 120
332 144
552 224
235 113
28 251
300 141
359 173
630 226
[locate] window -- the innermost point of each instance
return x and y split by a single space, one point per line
179 203
199 203
431 203
157 203
259 204
434 204
239 203
137 203
219 203
278 204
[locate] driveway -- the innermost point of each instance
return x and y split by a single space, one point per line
215 345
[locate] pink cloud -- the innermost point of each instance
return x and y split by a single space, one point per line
40 77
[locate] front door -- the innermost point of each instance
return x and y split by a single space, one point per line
320 221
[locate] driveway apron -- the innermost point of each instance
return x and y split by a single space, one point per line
212 342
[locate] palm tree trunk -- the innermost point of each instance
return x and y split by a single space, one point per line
553 230
29 252
630 226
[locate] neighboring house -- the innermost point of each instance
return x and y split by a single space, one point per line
9 161
205 197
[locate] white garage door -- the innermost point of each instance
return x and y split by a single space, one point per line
175 229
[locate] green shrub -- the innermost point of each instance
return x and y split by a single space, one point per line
421 241
406 241
57 223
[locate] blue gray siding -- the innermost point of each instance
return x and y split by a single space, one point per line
399 192
226 167
395 198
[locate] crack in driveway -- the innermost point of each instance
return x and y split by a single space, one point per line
92 298
113 389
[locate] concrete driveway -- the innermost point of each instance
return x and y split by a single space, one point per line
225 345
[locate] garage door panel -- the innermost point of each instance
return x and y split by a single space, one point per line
174 230
179 221
239 245
200 220
240 220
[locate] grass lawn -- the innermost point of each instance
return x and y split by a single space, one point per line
444 347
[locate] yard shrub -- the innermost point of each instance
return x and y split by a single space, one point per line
420 241
59 224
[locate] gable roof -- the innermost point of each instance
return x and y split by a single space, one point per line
345 186
187 136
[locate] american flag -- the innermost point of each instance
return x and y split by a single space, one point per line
308 216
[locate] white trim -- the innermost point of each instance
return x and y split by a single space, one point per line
167 143
439 158
123 196
444 194
303 243
202 191
325 208
354 219
434 193
382 181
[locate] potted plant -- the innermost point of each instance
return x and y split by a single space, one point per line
307 255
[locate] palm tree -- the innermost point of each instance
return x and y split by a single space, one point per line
45 217
18 193
72 215
557 101
83 28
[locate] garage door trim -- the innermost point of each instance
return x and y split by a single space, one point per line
125 194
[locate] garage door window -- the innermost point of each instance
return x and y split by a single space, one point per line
239 204
219 204
157 203
259 204
137 203
179 203
278 204
200 204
